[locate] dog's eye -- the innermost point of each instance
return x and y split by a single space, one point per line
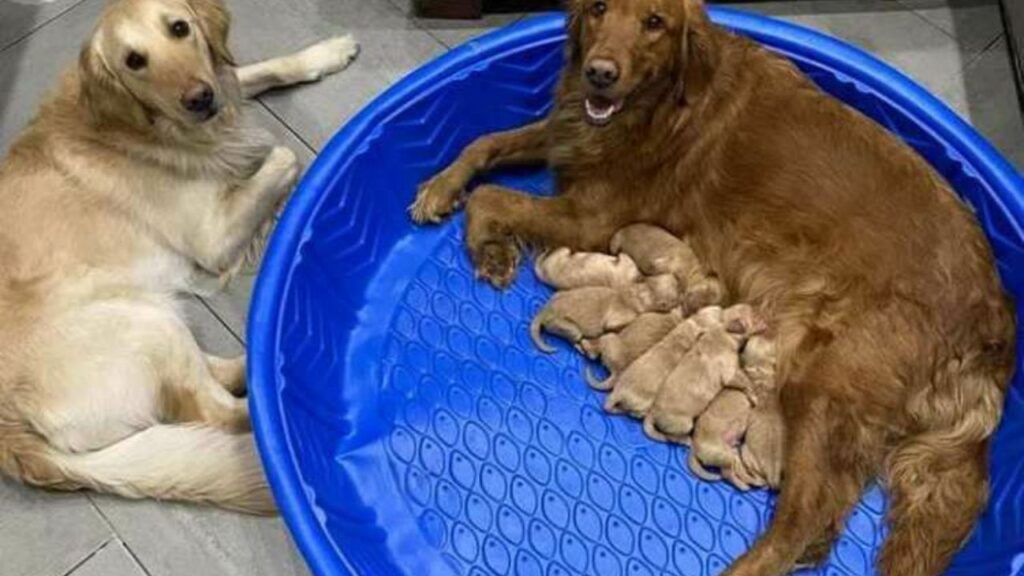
654 22
598 8
180 29
135 61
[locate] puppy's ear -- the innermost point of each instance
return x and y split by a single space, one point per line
215 21
698 53
574 30
103 96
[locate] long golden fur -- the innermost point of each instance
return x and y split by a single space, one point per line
139 178
895 338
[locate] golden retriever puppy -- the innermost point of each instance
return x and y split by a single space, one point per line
719 433
635 389
617 350
591 311
657 251
764 447
711 364
138 178
564 269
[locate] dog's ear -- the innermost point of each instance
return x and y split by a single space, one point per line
215 21
697 54
103 96
574 30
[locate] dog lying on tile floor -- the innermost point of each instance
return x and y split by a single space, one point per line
138 178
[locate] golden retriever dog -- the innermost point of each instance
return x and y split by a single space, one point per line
138 179
895 337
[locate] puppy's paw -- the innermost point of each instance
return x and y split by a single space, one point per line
329 56
497 262
436 198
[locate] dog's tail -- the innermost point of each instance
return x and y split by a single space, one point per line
192 463
938 479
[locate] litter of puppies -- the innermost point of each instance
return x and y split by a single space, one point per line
694 372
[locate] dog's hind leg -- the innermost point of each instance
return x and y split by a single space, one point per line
937 494
190 390
816 494
938 479
229 372
308 65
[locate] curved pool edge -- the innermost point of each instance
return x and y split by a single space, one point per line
272 282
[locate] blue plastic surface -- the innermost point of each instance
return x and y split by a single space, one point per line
406 422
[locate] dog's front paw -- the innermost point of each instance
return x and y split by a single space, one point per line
436 198
329 56
497 262
282 168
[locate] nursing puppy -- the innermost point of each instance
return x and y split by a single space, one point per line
617 350
656 251
591 311
718 435
634 391
895 339
763 448
709 366
564 269
138 178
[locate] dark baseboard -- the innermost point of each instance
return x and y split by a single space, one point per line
463 9
452 9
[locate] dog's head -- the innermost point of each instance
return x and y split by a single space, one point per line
152 59
623 47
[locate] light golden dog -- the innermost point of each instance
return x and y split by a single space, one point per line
138 179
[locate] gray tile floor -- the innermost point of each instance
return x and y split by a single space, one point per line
954 47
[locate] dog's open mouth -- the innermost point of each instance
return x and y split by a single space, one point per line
600 109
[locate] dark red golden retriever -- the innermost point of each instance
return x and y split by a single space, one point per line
896 338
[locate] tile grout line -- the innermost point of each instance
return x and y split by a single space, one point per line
974 57
42 25
117 536
259 100
989 47
230 330
89 556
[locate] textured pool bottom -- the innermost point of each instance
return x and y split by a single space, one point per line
507 458
407 424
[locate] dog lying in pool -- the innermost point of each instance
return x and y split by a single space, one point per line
895 339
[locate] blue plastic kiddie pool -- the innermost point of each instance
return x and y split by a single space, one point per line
409 427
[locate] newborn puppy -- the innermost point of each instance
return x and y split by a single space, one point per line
563 269
764 448
617 350
593 310
657 251
634 390
710 365
718 434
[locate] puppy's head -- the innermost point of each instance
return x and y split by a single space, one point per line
152 59
623 47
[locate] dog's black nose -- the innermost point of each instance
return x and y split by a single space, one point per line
198 99
602 73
